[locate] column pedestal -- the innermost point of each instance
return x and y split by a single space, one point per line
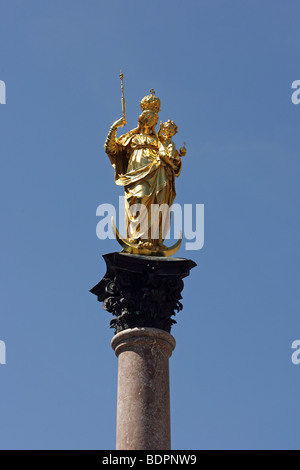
143 409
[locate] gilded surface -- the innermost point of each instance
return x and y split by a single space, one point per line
146 164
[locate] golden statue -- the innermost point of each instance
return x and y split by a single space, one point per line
146 164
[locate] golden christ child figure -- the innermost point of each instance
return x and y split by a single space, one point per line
168 151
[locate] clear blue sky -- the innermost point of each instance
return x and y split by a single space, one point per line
223 71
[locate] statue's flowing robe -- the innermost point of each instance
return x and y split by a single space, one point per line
147 180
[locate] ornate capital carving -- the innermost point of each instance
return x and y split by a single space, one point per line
142 291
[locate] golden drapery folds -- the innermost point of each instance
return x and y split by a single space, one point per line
146 166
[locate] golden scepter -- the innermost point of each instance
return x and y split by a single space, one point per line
122 89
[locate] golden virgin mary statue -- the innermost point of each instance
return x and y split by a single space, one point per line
146 164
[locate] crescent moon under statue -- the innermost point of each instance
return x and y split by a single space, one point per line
132 248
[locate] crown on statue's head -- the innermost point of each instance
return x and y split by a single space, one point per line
150 102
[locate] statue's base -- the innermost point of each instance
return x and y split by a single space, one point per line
142 291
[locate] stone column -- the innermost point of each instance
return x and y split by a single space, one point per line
143 293
143 408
